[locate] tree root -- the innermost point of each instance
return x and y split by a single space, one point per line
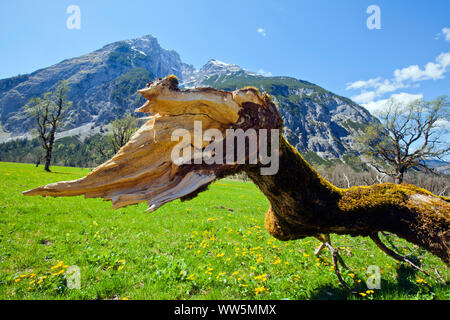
376 239
336 258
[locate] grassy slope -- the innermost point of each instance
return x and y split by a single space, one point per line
212 247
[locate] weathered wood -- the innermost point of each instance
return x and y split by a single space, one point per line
302 203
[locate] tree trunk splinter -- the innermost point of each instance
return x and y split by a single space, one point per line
302 203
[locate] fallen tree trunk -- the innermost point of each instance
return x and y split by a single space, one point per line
302 203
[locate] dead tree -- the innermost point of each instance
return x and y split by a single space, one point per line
302 203
121 131
49 113
406 137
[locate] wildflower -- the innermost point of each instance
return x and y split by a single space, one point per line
352 275
191 277
59 264
362 294
17 280
220 255
121 261
259 290
124 298
120 268
305 254
262 277
421 281
278 261
370 291
235 273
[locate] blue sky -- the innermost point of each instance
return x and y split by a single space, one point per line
324 42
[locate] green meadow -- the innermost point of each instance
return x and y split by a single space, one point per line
211 247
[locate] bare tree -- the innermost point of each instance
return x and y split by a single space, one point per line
121 132
49 111
406 137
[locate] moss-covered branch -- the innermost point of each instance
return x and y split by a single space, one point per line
302 203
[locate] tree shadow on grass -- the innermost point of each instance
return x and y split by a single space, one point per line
405 286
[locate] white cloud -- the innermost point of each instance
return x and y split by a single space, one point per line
379 88
261 31
361 84
374 88
430 71
365 97
446 33
264 73
443 124
372 92
402 98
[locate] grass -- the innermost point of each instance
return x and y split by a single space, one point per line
212 247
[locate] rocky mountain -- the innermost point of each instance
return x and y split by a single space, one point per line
102 84
103 87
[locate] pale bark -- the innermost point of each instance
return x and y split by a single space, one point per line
302 203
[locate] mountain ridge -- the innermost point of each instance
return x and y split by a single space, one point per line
103 87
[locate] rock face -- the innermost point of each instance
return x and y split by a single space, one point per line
103 87
103 83
315 119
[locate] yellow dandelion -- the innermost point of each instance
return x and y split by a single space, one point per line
259 290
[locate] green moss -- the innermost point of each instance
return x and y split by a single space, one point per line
379 195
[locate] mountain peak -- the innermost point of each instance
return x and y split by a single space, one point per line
217 66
